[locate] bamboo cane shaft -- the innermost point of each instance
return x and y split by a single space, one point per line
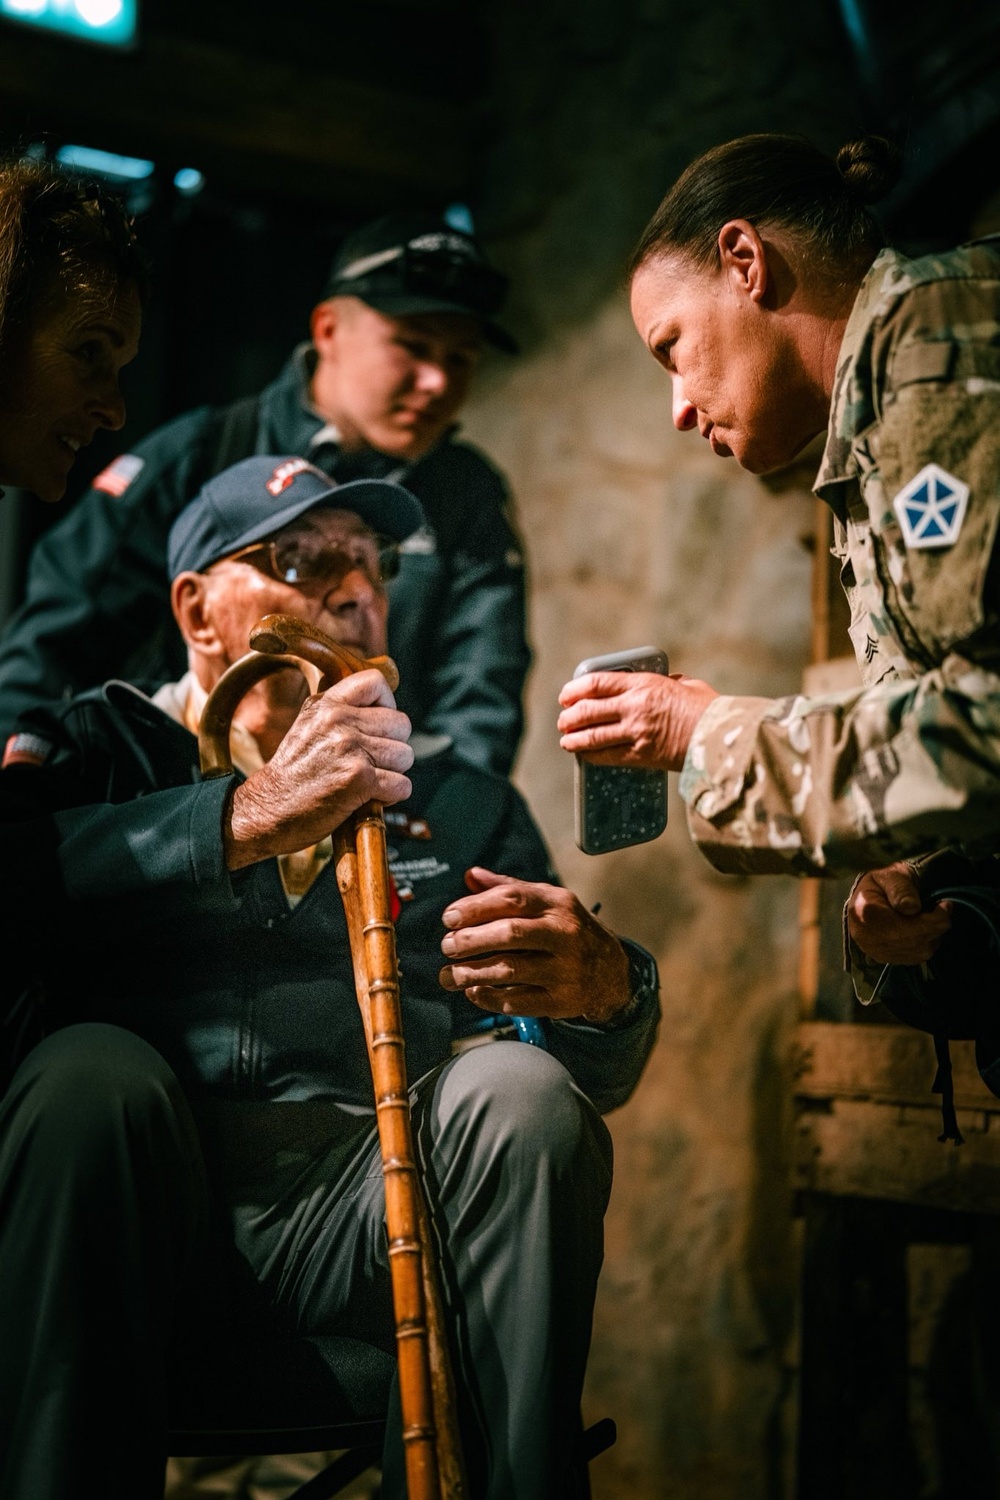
399 1166
432 1449
388 1063
449 1442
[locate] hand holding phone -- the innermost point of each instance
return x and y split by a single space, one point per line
617 806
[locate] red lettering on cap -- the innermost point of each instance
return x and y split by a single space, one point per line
286 472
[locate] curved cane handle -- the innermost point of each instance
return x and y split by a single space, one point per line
223 701
277 642
288 635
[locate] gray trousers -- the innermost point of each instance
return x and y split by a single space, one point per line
128 1230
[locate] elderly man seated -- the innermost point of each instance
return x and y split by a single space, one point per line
189 1160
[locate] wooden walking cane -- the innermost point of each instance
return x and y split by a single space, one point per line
434 1469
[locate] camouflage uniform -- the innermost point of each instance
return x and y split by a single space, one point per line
909 762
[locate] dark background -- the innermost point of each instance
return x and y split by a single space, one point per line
306 118
559 123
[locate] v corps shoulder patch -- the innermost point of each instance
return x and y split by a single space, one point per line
116 478
931 508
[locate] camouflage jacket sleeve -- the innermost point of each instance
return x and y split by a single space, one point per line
912 761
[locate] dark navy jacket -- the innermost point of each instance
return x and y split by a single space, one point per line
97 607
248 999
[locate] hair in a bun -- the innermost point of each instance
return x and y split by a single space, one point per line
870 167
778 182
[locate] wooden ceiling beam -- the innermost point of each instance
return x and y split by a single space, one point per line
279 128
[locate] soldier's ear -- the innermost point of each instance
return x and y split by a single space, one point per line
743 258
323 324
190 602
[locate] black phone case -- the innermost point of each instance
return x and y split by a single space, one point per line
617 806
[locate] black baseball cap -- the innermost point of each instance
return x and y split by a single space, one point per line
257 497
408 263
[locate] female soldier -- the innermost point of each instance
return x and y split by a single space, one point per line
762 288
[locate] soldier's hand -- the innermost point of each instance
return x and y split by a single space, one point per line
639 719
885 919
347 745
528 949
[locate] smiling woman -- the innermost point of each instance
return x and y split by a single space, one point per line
71 290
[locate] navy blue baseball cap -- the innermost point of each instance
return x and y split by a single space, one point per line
258 496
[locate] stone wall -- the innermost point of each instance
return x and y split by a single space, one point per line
637 534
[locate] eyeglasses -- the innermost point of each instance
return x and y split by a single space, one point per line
307 563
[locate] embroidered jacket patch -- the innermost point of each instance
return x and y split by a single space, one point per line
931 508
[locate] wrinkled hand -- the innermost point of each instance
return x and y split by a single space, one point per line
528 949
348 745
639 719
885 919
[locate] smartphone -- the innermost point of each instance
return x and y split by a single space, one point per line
617 806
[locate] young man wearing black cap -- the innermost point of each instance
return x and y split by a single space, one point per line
395 342
121 1256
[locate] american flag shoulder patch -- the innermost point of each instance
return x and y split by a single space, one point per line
26 750
116 478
